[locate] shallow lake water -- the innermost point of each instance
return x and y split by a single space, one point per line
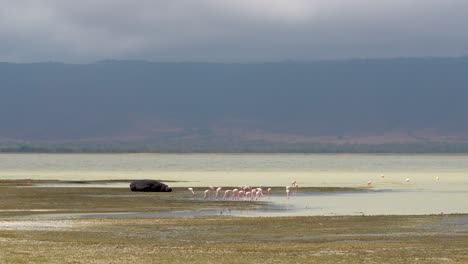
436 183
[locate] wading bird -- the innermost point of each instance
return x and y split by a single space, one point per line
217 192
226 194
235 194
206 194
241 195
191 190
253 194
260 192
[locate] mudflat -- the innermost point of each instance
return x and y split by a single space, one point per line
112 225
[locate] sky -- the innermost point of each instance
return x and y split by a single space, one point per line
230 30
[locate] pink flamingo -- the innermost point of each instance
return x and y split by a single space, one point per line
241 195
269 192
258 195
226 194
253 194
217 192
296 187
259 192
287 193
247 195
191 190
234 194
206 194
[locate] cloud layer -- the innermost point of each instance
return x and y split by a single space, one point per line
225 30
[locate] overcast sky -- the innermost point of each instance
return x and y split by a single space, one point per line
230 30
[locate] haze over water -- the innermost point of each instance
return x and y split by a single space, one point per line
423 194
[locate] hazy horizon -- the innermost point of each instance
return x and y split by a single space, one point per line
129 60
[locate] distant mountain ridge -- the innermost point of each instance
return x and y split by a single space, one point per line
279 106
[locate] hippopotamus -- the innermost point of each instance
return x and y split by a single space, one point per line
149 186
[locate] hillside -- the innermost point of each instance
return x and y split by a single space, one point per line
283 106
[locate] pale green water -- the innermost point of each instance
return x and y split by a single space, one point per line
222 169
423 194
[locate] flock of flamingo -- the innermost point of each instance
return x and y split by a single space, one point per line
243 193
369 183
249 193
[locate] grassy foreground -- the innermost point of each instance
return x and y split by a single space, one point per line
29 233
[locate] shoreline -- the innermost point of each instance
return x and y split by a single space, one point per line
77 199
40 225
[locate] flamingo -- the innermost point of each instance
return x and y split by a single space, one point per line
234 194
293 182
217 192
269 191
296 187
247 195
260 192
241 195
407 180
191 190
382 176
226 194
259 195
193 193
287 193
253 193
369 183
437 178
206 194
288 190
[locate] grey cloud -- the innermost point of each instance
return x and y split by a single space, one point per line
225 30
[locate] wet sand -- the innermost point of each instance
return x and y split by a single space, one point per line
113 225
309 201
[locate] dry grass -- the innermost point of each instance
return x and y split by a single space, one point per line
390 239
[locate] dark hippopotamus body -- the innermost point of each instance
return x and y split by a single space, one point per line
149 186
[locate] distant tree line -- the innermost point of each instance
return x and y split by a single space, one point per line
244 148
